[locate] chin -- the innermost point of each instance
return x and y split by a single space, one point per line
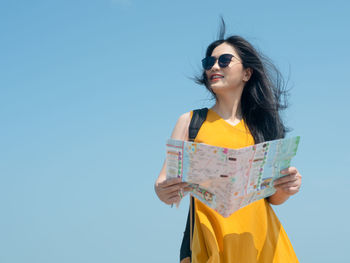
217 87
224 89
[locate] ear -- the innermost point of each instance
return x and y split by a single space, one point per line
247 74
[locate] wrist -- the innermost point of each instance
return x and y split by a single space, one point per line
278 198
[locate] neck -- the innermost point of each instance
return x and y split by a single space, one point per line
229 106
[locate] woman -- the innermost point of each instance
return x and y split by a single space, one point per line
246 112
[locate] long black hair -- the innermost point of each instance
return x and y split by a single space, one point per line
264 95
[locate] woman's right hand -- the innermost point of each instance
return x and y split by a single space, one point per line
170 191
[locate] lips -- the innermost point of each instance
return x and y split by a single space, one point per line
216 76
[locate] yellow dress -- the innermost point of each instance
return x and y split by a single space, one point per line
251 234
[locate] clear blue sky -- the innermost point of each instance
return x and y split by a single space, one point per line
90 91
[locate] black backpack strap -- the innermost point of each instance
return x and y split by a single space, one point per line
185 250
198 118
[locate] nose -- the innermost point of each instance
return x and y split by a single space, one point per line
215 66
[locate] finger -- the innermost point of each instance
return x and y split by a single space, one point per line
174 193
167 196
278 183
289 170
288 184
294 189
187 189
164 185
170 181
291 190
172 188
175 186
284 179
174 199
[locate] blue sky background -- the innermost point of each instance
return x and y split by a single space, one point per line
90 91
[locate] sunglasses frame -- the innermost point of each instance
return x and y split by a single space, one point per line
223 60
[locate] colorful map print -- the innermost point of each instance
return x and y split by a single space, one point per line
228 179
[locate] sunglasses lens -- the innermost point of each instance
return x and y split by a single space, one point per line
224 60
208 62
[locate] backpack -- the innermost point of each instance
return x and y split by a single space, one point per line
198 118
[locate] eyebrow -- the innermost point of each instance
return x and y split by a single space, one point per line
224 54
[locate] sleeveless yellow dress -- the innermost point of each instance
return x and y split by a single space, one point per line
251 234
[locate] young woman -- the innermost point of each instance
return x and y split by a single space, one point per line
246 112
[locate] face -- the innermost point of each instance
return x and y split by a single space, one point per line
234 76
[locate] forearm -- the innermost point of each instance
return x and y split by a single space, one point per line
278 198
162 175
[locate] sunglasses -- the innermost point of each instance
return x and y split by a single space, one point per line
224 61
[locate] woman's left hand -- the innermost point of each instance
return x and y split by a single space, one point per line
290 183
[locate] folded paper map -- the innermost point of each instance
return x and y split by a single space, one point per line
228 179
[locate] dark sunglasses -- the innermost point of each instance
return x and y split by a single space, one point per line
224 61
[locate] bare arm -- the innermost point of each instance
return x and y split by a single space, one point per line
168 190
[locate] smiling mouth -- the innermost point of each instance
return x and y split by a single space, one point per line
216 77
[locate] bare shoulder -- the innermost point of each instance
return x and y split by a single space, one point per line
180 131
185 118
